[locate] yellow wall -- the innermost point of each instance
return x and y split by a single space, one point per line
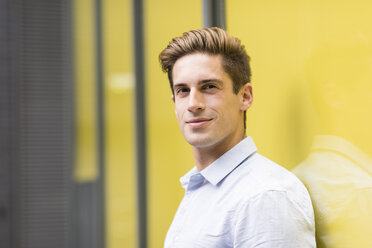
121 228
281 37
312 74
85 91
271 31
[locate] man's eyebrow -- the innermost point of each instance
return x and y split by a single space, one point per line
179 85
216 80
204 81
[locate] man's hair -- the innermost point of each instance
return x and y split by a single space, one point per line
213 41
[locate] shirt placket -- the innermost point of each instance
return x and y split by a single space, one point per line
196 181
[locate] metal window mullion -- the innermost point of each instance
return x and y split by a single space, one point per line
140 119
214 13
100 186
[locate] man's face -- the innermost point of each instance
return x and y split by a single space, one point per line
208 111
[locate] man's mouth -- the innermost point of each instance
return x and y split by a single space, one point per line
198 122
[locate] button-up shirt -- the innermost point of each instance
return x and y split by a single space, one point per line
242 200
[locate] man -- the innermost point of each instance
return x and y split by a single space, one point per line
234 196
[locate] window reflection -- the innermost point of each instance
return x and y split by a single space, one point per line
338 170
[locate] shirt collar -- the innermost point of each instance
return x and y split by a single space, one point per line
344 148
186 178
221 167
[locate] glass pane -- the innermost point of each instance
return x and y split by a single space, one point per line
86 91
121 230
312 74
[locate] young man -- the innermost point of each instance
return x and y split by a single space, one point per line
234 196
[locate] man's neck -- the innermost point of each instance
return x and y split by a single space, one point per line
204 156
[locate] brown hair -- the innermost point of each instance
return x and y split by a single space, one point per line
215 41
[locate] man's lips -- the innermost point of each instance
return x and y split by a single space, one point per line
198 122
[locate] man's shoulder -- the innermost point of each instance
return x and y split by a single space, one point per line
259 175
266 174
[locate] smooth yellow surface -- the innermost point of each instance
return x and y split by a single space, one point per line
312 74
121 226
339 178
271 33
85 91
281 37
169 156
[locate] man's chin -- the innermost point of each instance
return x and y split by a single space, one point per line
200 142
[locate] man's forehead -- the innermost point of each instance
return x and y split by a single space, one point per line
199 67
199 58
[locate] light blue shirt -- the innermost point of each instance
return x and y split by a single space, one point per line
242 200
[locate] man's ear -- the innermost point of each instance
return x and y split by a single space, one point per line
246 95
172 97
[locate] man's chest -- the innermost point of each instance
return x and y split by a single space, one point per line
202 220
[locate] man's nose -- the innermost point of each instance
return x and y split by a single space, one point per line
196 101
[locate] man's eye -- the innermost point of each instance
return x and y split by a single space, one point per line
182 90
210 86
